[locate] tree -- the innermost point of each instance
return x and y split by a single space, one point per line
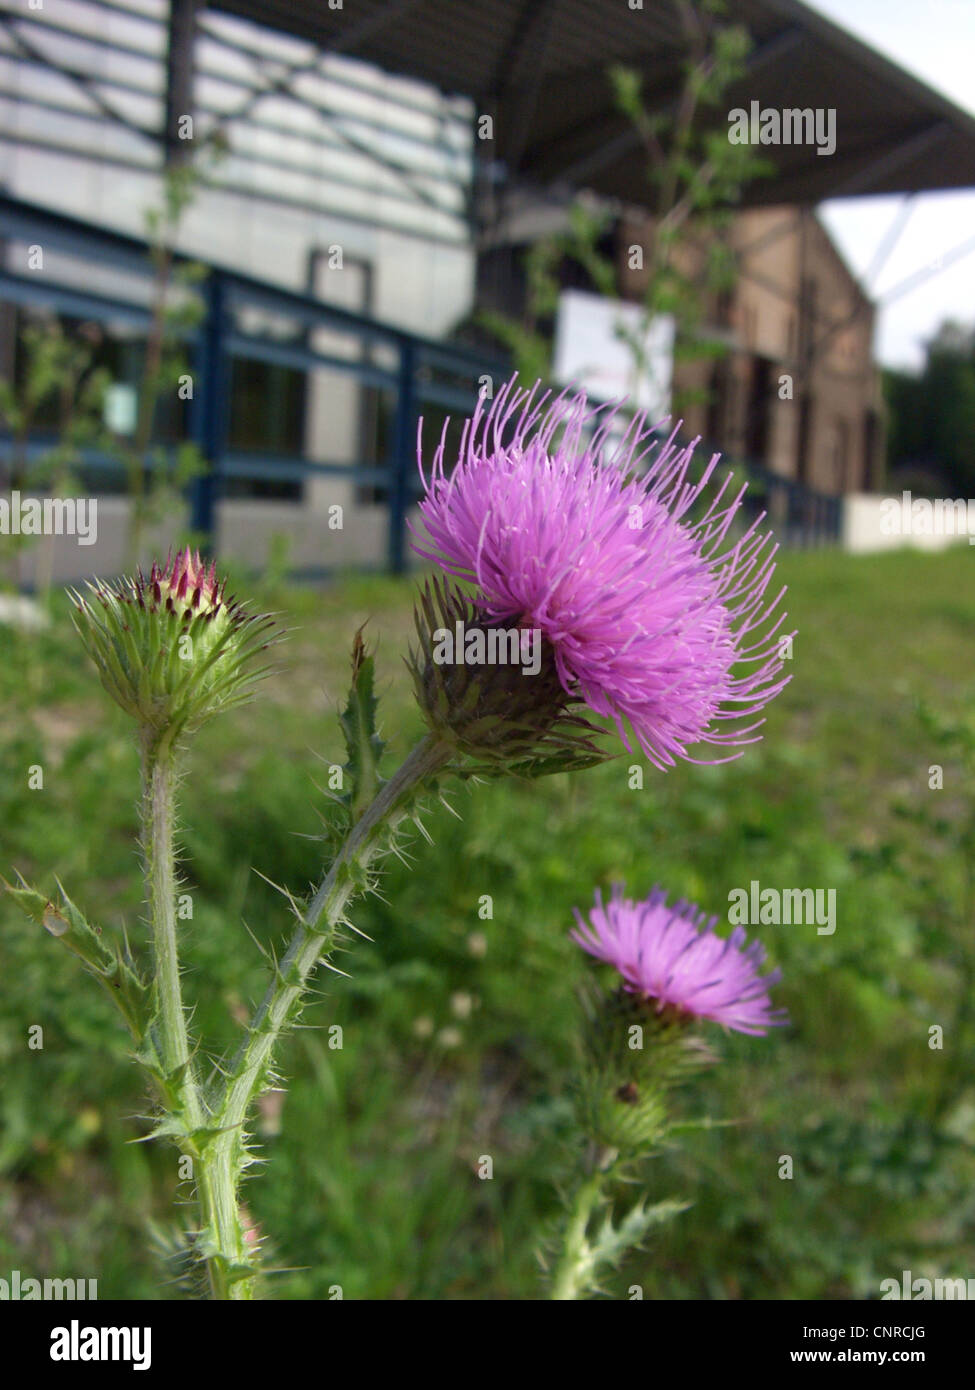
695 176
932 416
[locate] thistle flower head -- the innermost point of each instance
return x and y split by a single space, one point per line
672 958
170 647
512 717
648 613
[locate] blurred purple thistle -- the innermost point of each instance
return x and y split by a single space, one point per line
672 957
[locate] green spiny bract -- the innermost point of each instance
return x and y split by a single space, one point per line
174 1249
364 748
361 780
634 1057
171 648
500 719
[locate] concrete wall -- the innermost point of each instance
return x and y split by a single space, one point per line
874 523
246 530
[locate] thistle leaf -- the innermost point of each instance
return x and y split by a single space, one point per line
363 744
612 1242
110 962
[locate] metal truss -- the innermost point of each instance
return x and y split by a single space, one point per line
427 174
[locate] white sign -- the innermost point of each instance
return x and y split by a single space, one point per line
594 342
121 408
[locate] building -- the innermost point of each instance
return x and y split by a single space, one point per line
797 391
338 181
371 156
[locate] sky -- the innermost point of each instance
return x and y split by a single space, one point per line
934 40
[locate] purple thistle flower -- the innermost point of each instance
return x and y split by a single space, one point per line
672 956
646 615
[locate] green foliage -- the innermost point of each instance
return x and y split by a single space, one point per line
460 1020
932 416
61 390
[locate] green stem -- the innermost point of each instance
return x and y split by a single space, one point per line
576 1266
231 1267
159 782
221 1241
314 937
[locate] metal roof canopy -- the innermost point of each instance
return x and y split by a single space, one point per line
539 67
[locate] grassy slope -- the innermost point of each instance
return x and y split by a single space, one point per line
372 1181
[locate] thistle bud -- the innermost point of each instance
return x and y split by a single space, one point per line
635 1055
170 647
492 689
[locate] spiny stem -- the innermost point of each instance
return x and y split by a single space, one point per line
313 938
576 1266
222 1240
158 814
226 1253
315 931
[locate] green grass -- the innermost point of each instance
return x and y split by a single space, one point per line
459 1033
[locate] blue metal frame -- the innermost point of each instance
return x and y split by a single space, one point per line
179 54
804 517
215 344
208 416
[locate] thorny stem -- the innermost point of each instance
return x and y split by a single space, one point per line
224 1246
159 777
576 1266
222 1237
314 937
